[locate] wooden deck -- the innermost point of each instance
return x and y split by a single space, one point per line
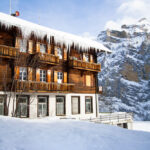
82 65
33 86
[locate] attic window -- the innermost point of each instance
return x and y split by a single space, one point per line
42 48
86 57
59 52
23 45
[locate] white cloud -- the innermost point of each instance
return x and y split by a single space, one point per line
88 35
129 12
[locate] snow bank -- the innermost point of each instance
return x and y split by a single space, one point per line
46 134
141 125
40 31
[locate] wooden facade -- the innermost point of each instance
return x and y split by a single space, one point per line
67 70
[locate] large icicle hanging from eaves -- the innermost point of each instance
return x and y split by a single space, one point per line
40 31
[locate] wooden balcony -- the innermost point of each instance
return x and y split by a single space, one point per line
79 64
8 52
33 86
47 58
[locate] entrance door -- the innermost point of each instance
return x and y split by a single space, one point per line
42 106
22 106
1 105
60 105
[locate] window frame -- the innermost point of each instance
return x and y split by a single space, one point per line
43 75
23 70
87 57
91 105
47 103
59 74
21 43
42 45
4 105
59 52
27 105
64 105
79 105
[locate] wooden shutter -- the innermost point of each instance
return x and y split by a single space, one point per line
65 54
38 75
55 76
65 77
48 75
17 44
37 47
16 73
92 79
84 57
30 74
55 51
48 48
88 80
30 48
91 58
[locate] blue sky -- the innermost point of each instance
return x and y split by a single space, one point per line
81 17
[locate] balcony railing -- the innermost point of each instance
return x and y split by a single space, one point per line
79 64
27 86
7 51
47 58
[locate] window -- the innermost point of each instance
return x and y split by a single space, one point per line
86 57
43 75
42 106
59 77
23 45
22 106
75 105
2 98
59 52
88 105
88 80
42 48
60 105
22 74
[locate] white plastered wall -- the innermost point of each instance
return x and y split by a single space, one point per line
52 104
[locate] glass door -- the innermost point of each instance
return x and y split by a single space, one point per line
1 105
42 106
60 106
22 106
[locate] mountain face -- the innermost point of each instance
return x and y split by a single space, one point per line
125 74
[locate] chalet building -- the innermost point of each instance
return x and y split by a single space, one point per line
44 72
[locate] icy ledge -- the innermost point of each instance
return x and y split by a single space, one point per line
40 31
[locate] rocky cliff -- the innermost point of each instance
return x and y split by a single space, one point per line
125 74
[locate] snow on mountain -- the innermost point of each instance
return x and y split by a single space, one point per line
125 74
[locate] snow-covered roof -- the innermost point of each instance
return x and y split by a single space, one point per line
27 28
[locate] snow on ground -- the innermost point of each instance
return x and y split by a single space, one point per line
47 134
141 125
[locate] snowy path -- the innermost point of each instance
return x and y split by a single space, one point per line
46 134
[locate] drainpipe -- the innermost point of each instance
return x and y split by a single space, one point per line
96 92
